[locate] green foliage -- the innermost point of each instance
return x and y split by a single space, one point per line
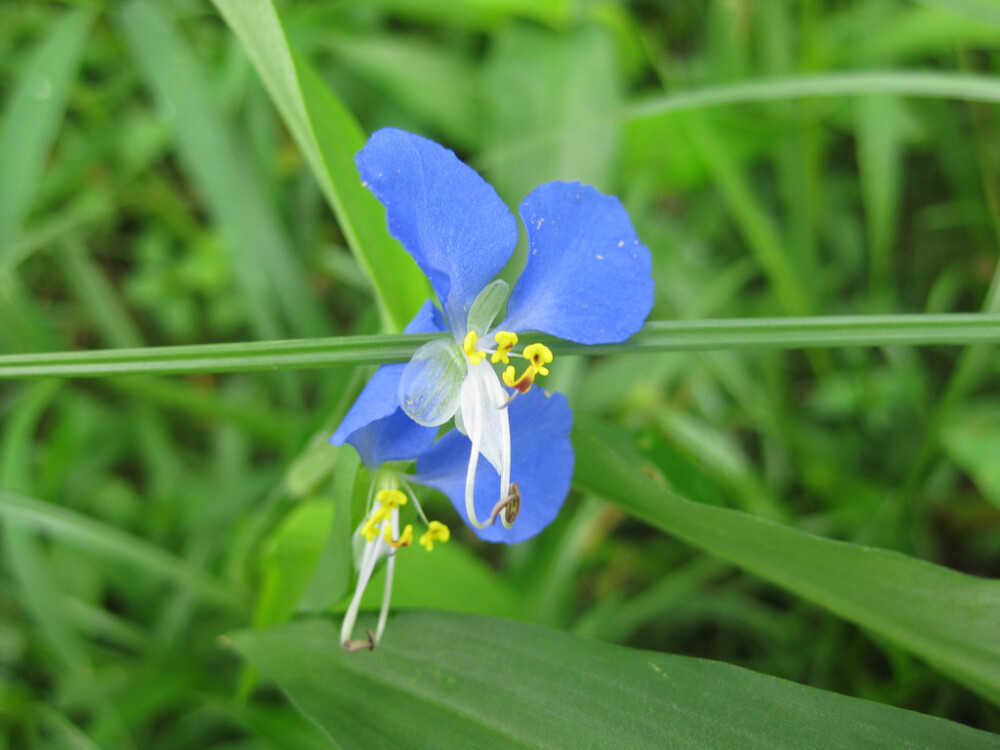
458 681
790 473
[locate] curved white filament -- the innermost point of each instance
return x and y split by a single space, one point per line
488 426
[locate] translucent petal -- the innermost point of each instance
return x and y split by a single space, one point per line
447 217
587 276
431 383
541 464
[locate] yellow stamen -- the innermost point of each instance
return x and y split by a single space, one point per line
505 342
469 347
436 531
405 539
388 501
370 529
538 356
391 499
523 383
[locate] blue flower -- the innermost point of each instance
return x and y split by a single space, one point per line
586 279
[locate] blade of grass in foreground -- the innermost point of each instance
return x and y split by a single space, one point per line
328 136
947 618
450 680
662 336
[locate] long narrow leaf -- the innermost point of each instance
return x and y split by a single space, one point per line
948 618
661 336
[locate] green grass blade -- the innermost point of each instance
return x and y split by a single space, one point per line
914 83
328 136
266 267
31 119
663 336
23 551
106 541
449 680
947 618
926 84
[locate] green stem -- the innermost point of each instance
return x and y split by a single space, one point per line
661 336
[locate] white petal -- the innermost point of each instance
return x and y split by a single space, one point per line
484 414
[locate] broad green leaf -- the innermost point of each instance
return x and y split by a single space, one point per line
289 559
332 574
947 618
268 270
329 137
444 680
32 116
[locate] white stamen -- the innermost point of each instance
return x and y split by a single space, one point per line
470 472
488 426
368 560
390 567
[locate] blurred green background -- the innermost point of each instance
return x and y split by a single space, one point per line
151 195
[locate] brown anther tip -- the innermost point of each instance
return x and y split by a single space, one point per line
510 505
359 644
513 506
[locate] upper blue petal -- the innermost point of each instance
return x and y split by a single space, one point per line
587 277
541 464
447 217
375 424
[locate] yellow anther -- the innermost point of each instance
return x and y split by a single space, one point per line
370 528
505 342
390 499
523 383
436 531
405 539
538 356
469 347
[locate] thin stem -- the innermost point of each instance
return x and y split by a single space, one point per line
662 336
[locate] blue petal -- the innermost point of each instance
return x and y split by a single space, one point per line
375 424
587 277
541 464
447 217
